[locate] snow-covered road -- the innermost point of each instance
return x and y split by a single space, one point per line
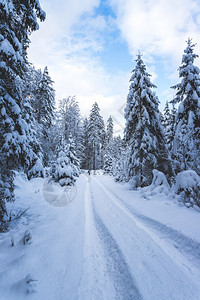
97 247
138 263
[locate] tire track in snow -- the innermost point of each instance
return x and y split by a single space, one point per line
105 275
159 270
184 244
117 267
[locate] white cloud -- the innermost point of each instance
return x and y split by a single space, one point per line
71 39
66 43
158 27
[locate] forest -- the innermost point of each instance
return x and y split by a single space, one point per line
41 139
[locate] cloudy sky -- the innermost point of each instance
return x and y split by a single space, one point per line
90 46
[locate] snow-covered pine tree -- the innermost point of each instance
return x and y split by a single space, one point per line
186 150
96 138
108 150
70 123
65 170
119 159
143 131
17 21
85 145
45 100
168 123
32 166
166 116
44 111
69 115
171 132
62 171
109 130
71 153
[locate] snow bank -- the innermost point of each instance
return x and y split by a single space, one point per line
188 186
186 179
159 185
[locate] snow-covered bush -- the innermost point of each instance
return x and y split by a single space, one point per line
37 169
159 185
188 186
62 170
71 154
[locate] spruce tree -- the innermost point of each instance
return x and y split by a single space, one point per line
168 123
85 145
45 100
71 153
109 130
70 123
65 170
96 138
186 150
44 110
17 21
143 131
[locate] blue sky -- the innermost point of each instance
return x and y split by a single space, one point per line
90 47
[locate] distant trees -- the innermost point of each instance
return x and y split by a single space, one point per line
33 134
96 138
168 123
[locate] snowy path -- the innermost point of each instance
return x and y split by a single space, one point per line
97 247
106 275
152 266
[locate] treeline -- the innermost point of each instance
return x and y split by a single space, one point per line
38 140
169 142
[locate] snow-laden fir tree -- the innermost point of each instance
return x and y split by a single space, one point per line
45 100
168 123
65 170
109 130
71 153
17 21
70 122
166 116
85 145
33 165
69 115
96 139
108 149
120 155
186 145
143 131
43 103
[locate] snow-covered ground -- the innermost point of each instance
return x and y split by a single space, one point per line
99 241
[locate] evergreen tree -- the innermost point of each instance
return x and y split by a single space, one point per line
143 131
33 166
166 116
69 114
45 100
109 130
66 168
17 21
96 138
168 122
107 153
186 149
71 153
85 158
44 110
62 171
70 123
